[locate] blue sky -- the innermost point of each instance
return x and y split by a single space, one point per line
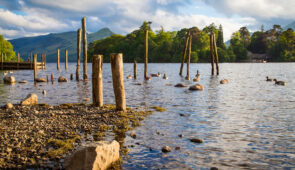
19 18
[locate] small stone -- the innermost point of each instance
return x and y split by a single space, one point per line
196 140
181 135
9 106
133 135
213 168
86 99
36 112
44 92
182 114
196 87
166 149
62 79
224 81
138 84
177 148
180 85
22 81
9 79
41 80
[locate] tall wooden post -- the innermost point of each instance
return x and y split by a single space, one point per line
135 69
78 53
57 51
118 83
212 54
52 78
216 54
35 67
97 93
146 37
85 76
47 78
184 52
66 59
189 57
18 60
32 61
44 61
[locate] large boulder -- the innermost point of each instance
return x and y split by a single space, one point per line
196 87
94 156
62 79
9 79
31 99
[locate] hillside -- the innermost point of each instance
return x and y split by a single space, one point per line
49 43
291 25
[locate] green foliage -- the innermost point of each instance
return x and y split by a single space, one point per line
7 49
220 41
237 45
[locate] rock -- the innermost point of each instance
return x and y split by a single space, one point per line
196 87
196 140
224 81
9 79
213 168
133 135
44 92
129 77
180 135
177 148
86 99
41 80
138 84
31 99
183 115
166 149
22 81
8 106
62 79
94 156
180 85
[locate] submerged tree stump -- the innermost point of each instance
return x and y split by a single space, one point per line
78 53
184 52
97 86
85 76
118 83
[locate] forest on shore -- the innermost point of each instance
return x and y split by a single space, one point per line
167 46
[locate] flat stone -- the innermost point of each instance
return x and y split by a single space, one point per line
196 87
224 81
41 80
180 85
22 81
196 140
166 149
31 99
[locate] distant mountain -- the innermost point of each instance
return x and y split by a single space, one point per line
49 43
291 25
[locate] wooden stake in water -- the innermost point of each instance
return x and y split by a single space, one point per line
118 83
44 61
66 59
189 58
47 77
85 76
57 51
78 53
135 69
146 37
184 52
18 60
97 93
216 54
52 78
31 60
35 67
212 53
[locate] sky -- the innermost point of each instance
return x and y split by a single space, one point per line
23 18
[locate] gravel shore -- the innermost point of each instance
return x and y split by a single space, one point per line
42 136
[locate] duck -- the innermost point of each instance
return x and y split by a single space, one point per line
268 79
165 77
156 75
282 83
197 78
129 77
197 75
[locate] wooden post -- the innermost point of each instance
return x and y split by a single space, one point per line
135 69
189 57
44 61
85 76
42 58
216 54
184 52
57 51
35 67
146 37
2 61
52 78
118 83
32 61
66 59
78 53
18 60
97 93
212 54
47 77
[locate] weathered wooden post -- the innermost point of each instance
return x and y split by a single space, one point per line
146 37
135 69
78 53
35 67
189 57
57 51
47 77
52 78
44 61
66 59
32 61
97 93
18 60
118 83
216 54
85 76
184 52
42 58
212 53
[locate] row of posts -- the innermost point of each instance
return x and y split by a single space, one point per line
4 58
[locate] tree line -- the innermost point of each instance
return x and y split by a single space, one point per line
167 46
7 49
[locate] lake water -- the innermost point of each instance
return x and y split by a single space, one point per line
245 124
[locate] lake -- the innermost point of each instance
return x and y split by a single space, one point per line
247 123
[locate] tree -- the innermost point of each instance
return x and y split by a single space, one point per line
7 48
237 45
245 35
258 43
220 41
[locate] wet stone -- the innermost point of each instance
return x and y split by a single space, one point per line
166 149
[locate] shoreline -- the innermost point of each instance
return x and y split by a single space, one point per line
43 136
